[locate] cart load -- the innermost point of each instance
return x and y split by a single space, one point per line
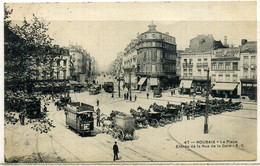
119 125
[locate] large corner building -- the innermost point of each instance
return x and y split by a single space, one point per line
155 60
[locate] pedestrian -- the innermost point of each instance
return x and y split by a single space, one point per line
112 94
127 96
21 117
45 108
130 98
124 96
171 93
98 120
147 95
116 151
135 97
97 102
188 115
98 111
230 101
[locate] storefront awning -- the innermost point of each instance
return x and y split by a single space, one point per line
73 82
186 84
142 80
153 82
225 86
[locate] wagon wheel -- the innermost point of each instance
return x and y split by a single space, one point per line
214 111
154 123
209 112
145 123
230 109
180 117
103 129
115 134
137 125
171 119
120 135
168 121
240 106
174 119
162 122
132 136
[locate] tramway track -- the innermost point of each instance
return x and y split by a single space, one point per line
188 149
239 117
136 147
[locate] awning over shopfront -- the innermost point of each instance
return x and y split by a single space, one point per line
186 84
142 80
225 86
153 82
73 82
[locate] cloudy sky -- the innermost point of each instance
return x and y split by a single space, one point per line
104 29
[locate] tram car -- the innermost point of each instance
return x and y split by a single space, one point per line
94 89
108 87
79 117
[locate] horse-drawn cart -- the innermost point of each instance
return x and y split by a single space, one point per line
121 126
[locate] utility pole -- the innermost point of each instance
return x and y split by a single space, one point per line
207 105
193 106
119 78
130 91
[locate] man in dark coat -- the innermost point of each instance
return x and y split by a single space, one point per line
98 120
21 117
97 102
147 95
116 151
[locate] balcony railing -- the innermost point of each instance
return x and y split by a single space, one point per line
202 65
194 77
188 65
245 65
156 73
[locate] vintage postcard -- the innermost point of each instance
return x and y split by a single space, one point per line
130 82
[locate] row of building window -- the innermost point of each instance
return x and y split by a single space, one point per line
129 62
227 77
186 61
170 39
224 66
253 60
190 71
155 55
150 68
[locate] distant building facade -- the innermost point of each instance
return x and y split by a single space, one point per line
248 66
195 62
130 64
80 62
225 72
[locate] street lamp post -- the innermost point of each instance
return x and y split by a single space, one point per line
130 91
207 105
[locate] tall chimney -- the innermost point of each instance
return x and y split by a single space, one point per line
243 41
225 40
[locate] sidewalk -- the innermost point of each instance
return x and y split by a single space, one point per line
166 96
229 137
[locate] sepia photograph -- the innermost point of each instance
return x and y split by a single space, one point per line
130 82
